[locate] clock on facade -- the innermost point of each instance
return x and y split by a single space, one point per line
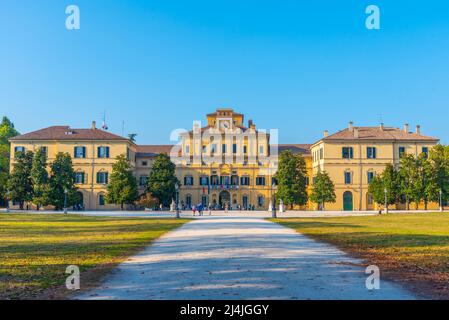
224 125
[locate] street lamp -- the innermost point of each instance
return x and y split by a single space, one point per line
7 201
177 200
386 200
441 200
273 207
65 200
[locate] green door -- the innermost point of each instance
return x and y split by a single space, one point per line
347 201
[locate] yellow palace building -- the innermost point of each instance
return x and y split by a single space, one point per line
230 164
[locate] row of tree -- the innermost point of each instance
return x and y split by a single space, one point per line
292 182
421 179
30 182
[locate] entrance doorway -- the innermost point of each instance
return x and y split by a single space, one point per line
223 198
245 202
347 201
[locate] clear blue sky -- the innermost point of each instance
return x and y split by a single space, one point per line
299 66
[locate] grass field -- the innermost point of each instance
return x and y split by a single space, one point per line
36 249
412 248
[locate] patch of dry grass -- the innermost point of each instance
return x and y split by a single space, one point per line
35 249
412 248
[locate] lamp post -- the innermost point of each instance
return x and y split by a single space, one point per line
177 200
65 200
273 207
386 200
441 200
7 201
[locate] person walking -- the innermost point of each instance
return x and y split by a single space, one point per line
193 209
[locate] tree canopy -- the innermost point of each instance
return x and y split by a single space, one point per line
122 188
323 190
291 179
162 179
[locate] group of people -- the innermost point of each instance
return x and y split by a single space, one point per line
200 208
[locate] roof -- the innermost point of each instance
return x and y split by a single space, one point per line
378 133
67 133
153 150
295 148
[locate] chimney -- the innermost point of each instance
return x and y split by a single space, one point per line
406 129
418 129
251 124
356 133
94 126
326 133
351 126
381 126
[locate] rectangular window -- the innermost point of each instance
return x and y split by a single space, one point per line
347 177
244 149
261 149
45 150
143 180
19 149
101 201
204 181
187 150
145 163
213 148
347 153
103 152
214 180
79 177
370 176
102 177
260 181
260 201
225 180
401 151
188 181
321 153
234 148
313 180
244 181
371 152
274 182
307 181
79 152
223 148
425 150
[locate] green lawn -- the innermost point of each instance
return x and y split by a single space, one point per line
411 247
36 249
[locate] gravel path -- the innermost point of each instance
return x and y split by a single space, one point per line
240 258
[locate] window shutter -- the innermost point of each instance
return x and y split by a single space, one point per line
107 152
98 152
84 152
106 177
98 177
82 180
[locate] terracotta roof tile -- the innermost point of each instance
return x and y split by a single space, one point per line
377 133
153 150
295 148
67 133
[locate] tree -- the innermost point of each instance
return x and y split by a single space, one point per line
122 188
39 178
439 173
162 179
147 200
387 180
62 177
291 179
20 184
7 131
406 167
422 182
323 190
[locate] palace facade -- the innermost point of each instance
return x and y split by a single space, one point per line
230 163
